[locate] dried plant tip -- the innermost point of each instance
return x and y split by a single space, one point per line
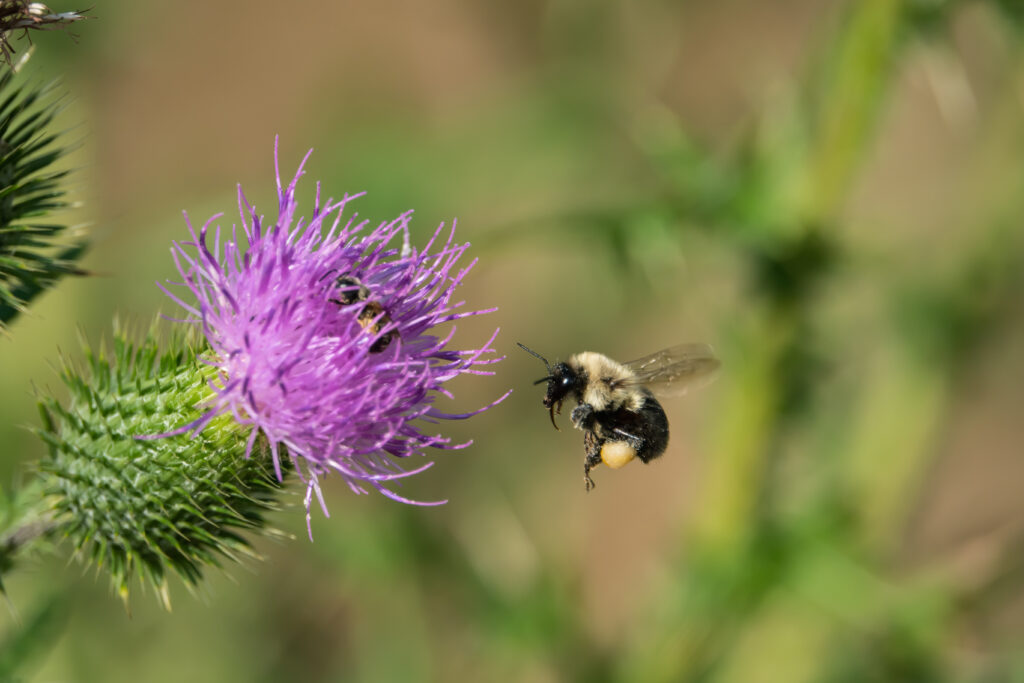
18 15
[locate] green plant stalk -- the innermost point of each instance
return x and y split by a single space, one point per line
891 443
26 521
750 403
849 102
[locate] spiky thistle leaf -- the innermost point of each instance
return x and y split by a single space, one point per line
34 252
150 507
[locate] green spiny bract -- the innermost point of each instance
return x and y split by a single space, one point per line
33 251
144 507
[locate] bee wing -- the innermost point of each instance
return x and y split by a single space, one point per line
672 371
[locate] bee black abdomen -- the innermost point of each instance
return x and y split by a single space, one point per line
647 428
654 432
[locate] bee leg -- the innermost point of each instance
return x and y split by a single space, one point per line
592 461
583 416
592 445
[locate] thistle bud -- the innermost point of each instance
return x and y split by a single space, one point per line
149 508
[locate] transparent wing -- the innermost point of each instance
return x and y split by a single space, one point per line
672 371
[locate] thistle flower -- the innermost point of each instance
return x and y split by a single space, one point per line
323 334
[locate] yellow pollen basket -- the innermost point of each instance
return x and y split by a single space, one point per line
616 454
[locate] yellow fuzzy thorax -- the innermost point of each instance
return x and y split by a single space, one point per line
602 374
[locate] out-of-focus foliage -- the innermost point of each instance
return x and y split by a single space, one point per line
844 222
36 635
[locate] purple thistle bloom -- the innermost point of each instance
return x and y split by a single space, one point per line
323 337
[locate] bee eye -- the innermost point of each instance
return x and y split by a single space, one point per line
566 381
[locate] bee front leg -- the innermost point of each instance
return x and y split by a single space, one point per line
592 446
583 417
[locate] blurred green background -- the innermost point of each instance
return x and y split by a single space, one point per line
830 193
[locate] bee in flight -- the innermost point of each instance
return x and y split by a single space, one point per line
615 405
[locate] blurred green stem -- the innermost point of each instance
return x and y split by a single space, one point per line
848 102
849 99
25 520
890 444
23 534
740 436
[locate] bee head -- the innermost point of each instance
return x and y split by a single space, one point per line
561 380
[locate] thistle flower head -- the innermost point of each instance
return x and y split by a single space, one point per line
324 336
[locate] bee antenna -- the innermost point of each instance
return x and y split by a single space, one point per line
537 355
543 379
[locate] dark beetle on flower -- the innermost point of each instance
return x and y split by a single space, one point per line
372 317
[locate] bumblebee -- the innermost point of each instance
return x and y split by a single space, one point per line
372 317
615 405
